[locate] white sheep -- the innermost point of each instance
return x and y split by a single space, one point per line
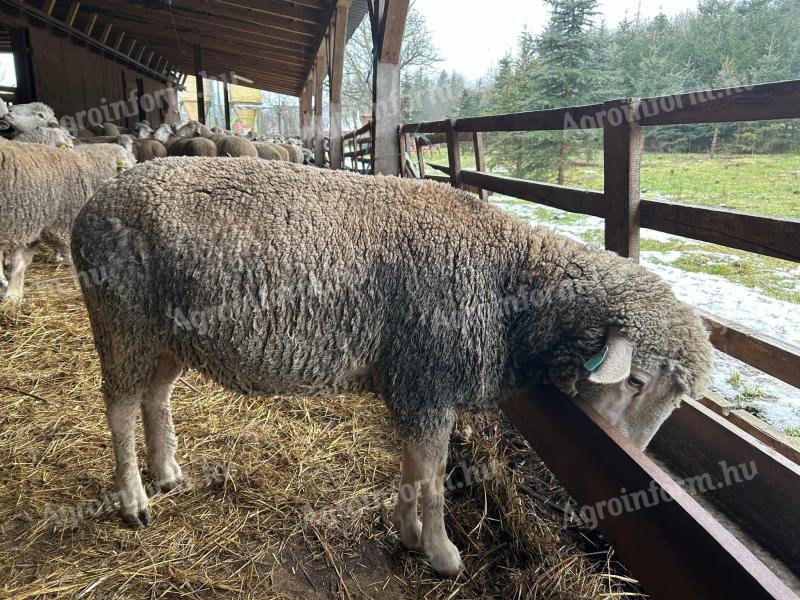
57 137
339 282
41 192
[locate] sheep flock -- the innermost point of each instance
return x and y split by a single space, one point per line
236 259
54 171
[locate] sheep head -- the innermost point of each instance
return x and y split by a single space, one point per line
636 391
23 118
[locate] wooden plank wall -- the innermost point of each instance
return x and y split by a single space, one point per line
72 78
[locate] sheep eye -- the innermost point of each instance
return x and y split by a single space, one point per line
40 115
635 382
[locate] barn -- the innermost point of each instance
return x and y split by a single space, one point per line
289 497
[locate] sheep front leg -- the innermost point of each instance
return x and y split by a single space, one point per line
18 262
121 415
428 460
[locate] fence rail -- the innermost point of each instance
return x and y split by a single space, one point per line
620 204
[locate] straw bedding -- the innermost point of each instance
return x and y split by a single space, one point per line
286 497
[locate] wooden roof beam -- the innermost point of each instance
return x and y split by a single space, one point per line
72 14
68 27
200 24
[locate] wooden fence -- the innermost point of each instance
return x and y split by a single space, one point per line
687 553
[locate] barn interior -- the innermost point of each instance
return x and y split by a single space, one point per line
288 497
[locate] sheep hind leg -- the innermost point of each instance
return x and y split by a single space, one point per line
159 430
404 516
18 263
428 460
121 414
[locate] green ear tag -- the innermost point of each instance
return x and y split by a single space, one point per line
594 363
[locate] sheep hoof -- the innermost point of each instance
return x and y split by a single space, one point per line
170 484
410 532
139 520
446 561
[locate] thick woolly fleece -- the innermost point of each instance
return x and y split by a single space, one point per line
42 189
273 277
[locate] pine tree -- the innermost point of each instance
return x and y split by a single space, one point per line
566 76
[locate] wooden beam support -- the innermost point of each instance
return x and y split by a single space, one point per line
394 28
480 160
454 155
622 149
49 5
68 27
199 75
119 40
388 23
90 23
338 40
227 100
319 136
72 14
106 33
307 114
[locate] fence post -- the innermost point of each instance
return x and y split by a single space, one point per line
403 148
421 157
622 157
480 160
453 154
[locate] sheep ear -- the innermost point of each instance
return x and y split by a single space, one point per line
616 364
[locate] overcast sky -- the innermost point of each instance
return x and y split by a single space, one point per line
472 35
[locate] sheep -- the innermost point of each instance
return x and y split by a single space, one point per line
145 150
57 137
283 152
267 151
123 140
295 154
142 130
196 146
217 138
236 146
302 280
22 118
42 190
111 129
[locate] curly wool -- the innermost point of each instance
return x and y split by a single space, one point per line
271 277
43 188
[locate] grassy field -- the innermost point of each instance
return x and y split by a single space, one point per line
766 185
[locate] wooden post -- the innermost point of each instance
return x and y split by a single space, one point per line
421 157
307 114
21 47
402 156
622 150
338 40
319 139
480 160
388 24
226 97
198 70
454 154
